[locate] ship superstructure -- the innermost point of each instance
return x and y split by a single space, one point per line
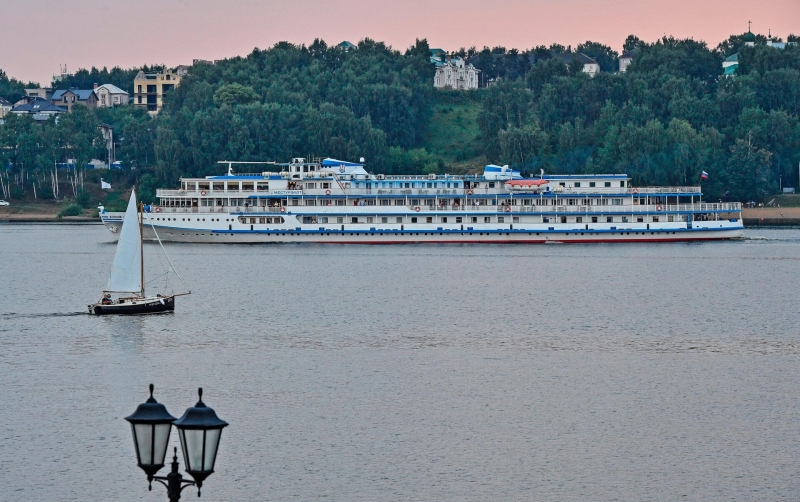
332 201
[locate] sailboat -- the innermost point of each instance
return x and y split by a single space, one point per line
127 273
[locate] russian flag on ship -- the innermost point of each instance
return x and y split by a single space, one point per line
704 175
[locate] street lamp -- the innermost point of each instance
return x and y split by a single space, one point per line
151 425
199 429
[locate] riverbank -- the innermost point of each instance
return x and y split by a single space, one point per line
42 212
771 216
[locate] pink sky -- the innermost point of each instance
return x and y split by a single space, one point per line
126 33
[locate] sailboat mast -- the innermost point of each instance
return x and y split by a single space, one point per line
141 242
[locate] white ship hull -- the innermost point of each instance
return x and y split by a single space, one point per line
234 232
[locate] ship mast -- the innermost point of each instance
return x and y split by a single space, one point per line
141 244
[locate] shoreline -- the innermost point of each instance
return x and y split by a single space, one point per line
67 220
771 216
42 213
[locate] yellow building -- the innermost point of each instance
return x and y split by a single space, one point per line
149 88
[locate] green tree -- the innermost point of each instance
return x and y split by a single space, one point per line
776 132
420 49
685 57
762 59
631 42
505 105
12 89
79 134
748 174
523 146
234 94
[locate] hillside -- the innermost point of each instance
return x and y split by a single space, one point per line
453 127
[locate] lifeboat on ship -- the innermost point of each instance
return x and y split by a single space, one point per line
527 185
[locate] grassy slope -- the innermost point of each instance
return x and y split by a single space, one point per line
786 200
33 209
453 130
39 210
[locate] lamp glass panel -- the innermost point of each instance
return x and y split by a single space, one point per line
212 442
193 448
162 438
182 437
143 434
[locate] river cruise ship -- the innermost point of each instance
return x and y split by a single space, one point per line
332 201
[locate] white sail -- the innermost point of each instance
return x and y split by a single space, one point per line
126 272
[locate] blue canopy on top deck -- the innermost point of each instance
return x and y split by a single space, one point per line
337 163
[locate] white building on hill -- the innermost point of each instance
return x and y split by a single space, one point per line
109 95
454 73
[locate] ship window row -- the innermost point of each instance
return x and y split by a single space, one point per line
262 220
592 184
229 186
410 184
263 186
480 219
431 202
606 219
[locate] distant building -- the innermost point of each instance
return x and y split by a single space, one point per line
625 60
39 93
749 39
730 65
455 73
71 97
109 95
40 109
437 55
149 89
201 61
108 135
779 45
96 164
347 46
5 107
590 66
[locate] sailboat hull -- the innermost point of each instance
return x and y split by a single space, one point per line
139 306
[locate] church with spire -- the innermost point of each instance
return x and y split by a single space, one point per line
731 63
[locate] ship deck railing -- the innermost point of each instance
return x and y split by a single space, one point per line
731 207
459 192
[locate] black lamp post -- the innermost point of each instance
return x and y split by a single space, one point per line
199 429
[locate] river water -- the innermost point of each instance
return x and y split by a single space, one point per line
419 372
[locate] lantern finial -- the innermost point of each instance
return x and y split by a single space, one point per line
200 402
151 399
